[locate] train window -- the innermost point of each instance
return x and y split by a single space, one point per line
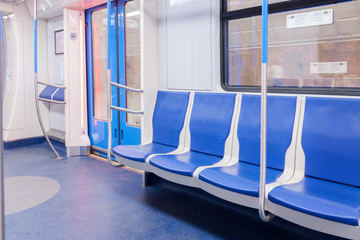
233 5
99 62
312 48
133 57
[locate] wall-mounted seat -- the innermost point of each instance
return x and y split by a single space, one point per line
327 199
52 93
210 124
167 124
242 174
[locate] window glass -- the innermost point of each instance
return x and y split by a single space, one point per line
133 57
306 50
99 63
243 4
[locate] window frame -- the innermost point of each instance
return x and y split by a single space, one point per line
226 16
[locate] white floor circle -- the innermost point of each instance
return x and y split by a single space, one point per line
22 193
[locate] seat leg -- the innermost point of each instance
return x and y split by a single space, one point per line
149 179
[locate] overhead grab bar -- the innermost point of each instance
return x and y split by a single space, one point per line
264 60
51 85
126 110
126 87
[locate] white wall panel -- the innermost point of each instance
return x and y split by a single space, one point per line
56 72
189 44
20 119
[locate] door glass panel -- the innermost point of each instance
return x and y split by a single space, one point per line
132 58
99 59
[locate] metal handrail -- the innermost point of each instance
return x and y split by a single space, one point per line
51 85
51 101
262 184
126 110
126 87
36 81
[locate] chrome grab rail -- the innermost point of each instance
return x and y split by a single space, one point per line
51 85
36 86
126 87
51 101
262 184
126 110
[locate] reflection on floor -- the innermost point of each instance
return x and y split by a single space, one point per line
98 202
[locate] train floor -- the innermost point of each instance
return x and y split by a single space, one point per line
86 198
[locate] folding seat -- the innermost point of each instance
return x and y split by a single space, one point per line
48 92
238 180
168 128
324 193
210 123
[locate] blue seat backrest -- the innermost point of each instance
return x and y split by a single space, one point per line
331 139
280 122
169 117
59 95
47 92
210 122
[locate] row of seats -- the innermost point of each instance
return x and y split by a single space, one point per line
53 93
212 141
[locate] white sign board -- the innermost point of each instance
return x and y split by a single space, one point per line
328 67
309 19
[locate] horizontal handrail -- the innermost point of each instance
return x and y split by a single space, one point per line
126 110
126 87
51 101
51 85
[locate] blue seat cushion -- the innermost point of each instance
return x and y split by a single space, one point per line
184 164
241 178
319 198
141 152
59 95
47 92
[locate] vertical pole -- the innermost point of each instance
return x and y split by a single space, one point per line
109 92
264 60
2 79
109 95
36 84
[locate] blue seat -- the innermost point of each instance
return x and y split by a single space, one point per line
168 121
210 125
330 140
141 152
243 177
47 92
59 95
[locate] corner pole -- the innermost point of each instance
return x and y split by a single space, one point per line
264 60
2 205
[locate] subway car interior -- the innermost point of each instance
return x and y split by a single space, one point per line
179 119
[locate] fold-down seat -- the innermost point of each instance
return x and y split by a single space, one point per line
52 93
210 124
238 181
167 124
327 199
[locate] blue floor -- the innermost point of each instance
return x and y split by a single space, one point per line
97 201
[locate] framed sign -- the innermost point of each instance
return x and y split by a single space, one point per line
59 42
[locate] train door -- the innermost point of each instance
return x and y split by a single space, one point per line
125 70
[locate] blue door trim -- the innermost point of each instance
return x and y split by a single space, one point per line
121 132
98 129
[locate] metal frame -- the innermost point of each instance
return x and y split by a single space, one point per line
36 85
226 16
